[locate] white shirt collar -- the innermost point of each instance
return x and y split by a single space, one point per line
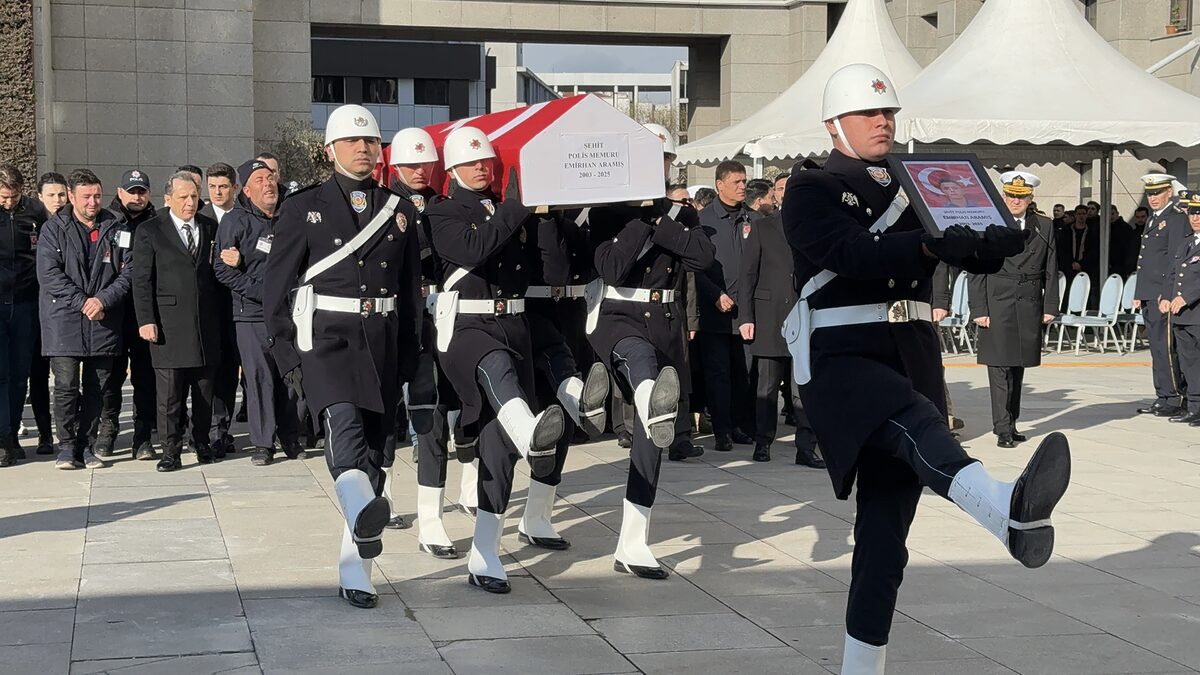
179 229
220 212
179 223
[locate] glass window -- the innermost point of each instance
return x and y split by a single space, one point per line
327 89
431 92
1181 14
379 90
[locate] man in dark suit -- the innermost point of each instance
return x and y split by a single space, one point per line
1079 251
1184 306
223 190
1012 306
175 296
768 293
727 387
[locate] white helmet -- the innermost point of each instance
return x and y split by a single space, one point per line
351 121
856 87
665 136
412 146
465 145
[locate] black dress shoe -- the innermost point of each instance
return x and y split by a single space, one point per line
489 584
438 551
360 599
169 462
1149 409
548 543
262 456
684 450
145 453
762 452
640 571
1019 438
1194 423
624 440
723 443
808 457
204 454
1005 441
295 451
1184 416
398 523
741 438
369 526
1168 411
468 510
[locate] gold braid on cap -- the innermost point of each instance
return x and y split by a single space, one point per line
1017 188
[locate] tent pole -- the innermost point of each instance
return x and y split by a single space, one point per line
758 167
1106 185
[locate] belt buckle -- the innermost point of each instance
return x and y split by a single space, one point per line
501 306
424 290
365 307
902 311
558 292
656 296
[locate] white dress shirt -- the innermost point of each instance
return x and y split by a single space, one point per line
220 212
179 223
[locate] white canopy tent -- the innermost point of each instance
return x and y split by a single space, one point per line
790 125
1034 77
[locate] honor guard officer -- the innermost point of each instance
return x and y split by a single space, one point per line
483 336
342 303
413 156
1166 231
1184 306
637 330
1012 306
862 323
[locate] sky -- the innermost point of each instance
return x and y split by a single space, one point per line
541 58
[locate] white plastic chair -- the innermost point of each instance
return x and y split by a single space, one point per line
1081 286
960 315
1129 318
1062 293
1104 321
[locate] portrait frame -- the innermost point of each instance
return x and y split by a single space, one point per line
950 189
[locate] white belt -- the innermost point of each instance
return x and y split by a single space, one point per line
494 307
364 306
656 295
901 311
555 292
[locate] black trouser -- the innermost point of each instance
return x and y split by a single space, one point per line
173 386
76 409
497 378
769 375
634 361
428 419
554 365
1169 384
1187 345
145 401
726 382
355 439
1004 384
272 407
39 392
620 411
911 450
225 382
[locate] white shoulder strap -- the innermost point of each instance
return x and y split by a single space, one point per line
457 276
885 221
583 216
380 220
673 213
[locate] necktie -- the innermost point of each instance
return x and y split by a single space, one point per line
191 238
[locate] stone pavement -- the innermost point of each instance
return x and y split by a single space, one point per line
232 569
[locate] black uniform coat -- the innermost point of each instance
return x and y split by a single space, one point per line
1186 282
862 374
178 293
1016 298
500 246
68 279
1165 233
563 320
943 286
767 287
620 235
728 231
358 360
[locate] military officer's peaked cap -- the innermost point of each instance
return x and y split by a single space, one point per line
1192 202
1157 182
1019 183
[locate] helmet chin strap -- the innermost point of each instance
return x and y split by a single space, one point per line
461 182
346 172
837 124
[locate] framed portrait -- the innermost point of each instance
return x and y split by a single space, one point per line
950 190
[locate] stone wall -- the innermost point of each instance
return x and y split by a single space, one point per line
18 136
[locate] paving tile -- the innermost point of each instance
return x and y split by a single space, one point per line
148 503
636 597
764 661
456 592
134 541
682 632
36 659
581 655
36 627
207 664
1071 655
448 624
312 648
792 609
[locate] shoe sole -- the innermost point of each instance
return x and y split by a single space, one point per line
664 400
543 446
626 568
472 580
1036 493
526 539
593 415
369 526
452 554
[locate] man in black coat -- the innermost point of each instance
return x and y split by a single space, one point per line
1078 250
342 300
132 207
769 292
84 272
245 237
483 335
1013 306
1165 232
223 191
176 296
727 222
868 362
1184 306
637 327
